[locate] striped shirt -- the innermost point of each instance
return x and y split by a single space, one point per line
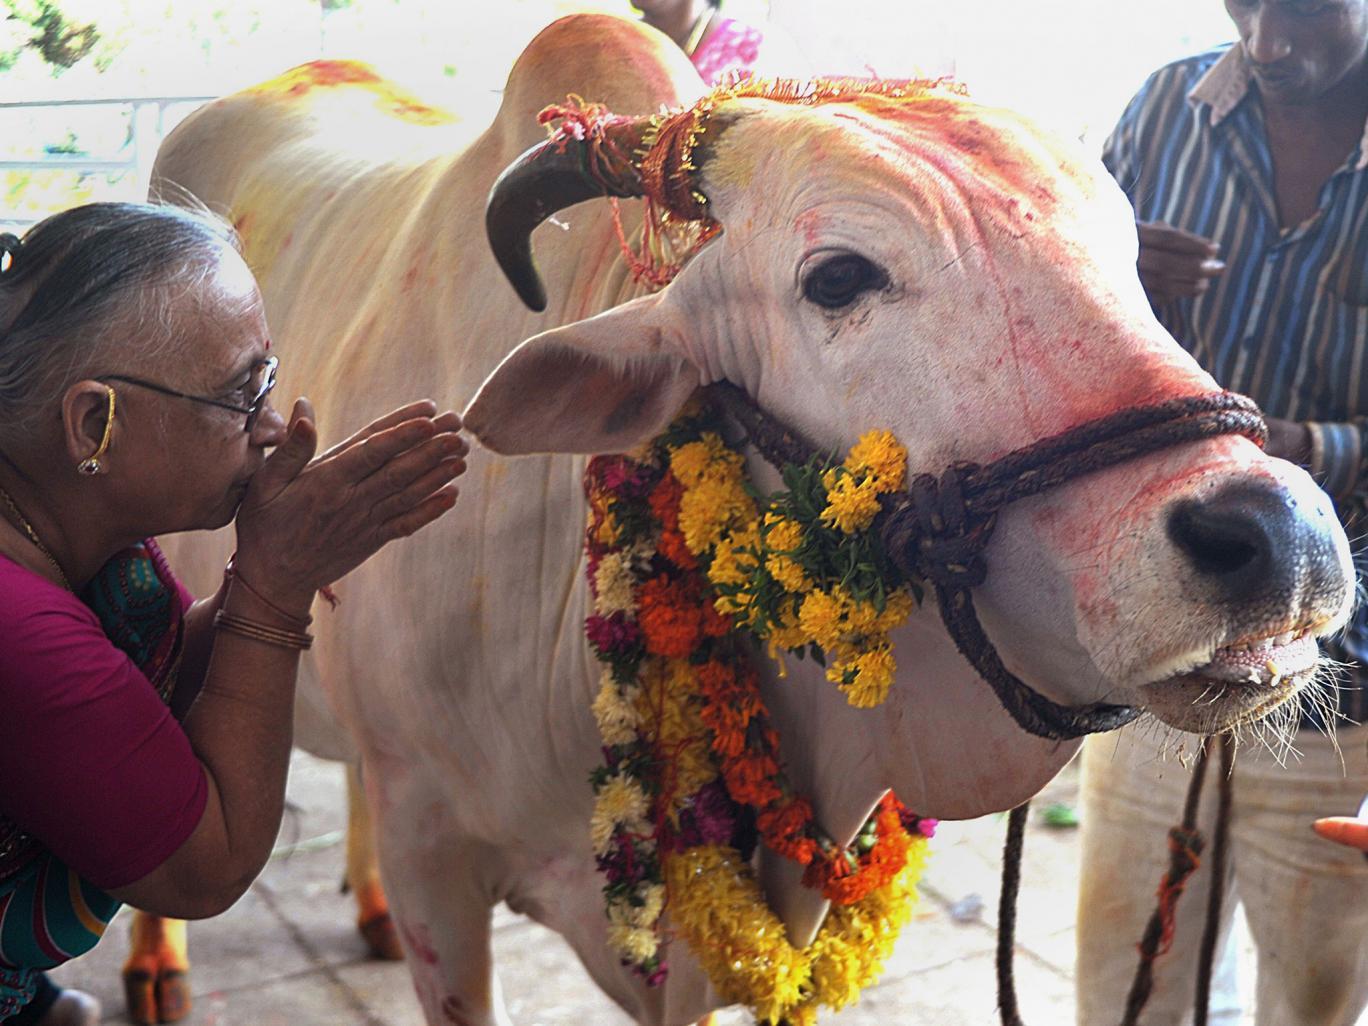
1286 323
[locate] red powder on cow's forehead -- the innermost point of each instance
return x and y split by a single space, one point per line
980 139
309 79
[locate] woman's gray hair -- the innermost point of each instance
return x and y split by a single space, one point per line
90 277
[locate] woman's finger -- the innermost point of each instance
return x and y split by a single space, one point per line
288 460
416 409
353 465
416 491
421 515
403 469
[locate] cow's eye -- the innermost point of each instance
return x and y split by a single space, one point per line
839 280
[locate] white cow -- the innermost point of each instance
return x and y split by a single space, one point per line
927 266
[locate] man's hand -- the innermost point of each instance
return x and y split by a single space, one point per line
1289 440
1344 830
1175 263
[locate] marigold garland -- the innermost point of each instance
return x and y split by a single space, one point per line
679 558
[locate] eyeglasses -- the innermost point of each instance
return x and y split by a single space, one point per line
260 380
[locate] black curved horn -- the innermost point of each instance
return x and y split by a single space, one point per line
549 177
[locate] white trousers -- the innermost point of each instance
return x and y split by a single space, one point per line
1306 899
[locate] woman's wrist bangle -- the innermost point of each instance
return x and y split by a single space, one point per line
262 632
232 573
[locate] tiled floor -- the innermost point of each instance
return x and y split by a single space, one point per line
288 955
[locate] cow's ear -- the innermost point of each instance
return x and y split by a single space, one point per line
606 384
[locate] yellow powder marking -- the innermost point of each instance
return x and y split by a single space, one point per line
320 75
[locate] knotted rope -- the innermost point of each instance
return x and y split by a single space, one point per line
938 530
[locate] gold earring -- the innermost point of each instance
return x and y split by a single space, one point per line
91 464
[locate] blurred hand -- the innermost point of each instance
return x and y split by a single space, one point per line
1174 263
1344 830
306 522
1289 440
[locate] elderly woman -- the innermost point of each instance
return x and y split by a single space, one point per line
145 736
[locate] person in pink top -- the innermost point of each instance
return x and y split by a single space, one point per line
145 735
716 45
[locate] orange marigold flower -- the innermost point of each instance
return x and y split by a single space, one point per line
664 500
784 825
673 548
751 781
669 617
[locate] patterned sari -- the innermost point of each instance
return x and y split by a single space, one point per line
48 914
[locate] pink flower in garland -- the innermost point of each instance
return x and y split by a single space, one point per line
710 818
915 824
612 635
621 476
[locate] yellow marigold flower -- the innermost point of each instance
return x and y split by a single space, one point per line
607 533
788 632
782 534
880 454
897 608
740 606
851 504
733 562
862 617
673 719
822 617
689 463
707 457
788 573
707 508
874 672
613 582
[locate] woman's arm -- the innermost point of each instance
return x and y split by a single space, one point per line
302 526
198 645
240 727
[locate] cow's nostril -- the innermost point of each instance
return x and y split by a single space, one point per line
1240 539
1216 545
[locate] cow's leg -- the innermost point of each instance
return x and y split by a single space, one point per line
1130 799
1306 899
441 898
363 875
444 917
156 975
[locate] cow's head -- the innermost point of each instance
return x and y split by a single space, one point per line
898 257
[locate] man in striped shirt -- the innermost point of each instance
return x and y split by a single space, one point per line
1248 170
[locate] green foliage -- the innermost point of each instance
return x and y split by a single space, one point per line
42 26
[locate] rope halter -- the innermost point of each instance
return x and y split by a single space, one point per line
938 530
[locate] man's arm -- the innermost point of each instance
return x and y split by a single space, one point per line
1337 457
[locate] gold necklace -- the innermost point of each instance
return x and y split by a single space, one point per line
33 537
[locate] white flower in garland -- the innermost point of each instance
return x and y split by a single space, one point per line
621 803
636 942
615 711
613 584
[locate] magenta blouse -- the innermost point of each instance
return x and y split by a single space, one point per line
92 763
